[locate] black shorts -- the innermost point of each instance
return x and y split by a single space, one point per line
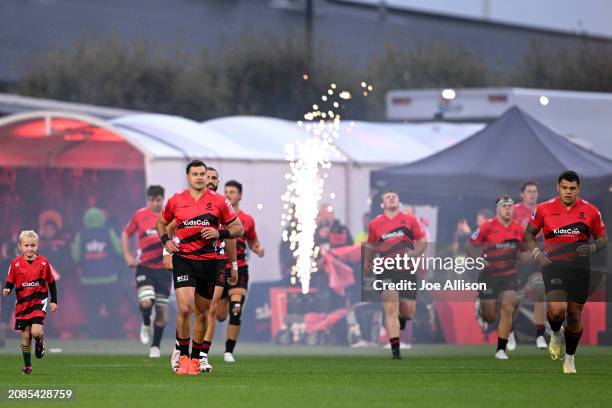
202 275
243 280
21 324
573 278
496 285
160 279
399 277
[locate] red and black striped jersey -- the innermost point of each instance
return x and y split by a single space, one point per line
394 235
212 209
31 282
248 223
500 245
522 214
150 247
564 229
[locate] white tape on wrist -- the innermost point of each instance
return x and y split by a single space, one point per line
235 265
165 252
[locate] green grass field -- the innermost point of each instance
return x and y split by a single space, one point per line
270 376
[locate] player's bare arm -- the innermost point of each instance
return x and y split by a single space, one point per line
125 246
587 249
167 258
162 231
230 251
256 247
530 241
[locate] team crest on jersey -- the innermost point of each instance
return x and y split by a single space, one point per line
44 263
533 213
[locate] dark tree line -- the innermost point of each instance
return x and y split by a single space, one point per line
264 75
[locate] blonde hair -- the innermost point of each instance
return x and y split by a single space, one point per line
28 233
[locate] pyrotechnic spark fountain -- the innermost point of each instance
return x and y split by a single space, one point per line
309 162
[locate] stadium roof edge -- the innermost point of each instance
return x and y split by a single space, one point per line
11 103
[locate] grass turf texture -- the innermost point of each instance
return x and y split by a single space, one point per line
269 376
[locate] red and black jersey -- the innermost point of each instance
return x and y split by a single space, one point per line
522 214
500 245
564 229
31 282
248 223
394 235
212 209
150 248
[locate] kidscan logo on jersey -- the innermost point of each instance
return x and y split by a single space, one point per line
30 284
566 231
196 223
394 234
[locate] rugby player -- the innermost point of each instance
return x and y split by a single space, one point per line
530 270
152 280
227 251
198 273
394 232
498 241
568 223
233 297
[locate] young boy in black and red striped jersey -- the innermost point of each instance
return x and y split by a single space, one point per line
31 277
568 223
152 280
498 241
233 297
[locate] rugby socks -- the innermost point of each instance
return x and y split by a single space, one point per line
229 345
206 347
571 341
158 331
555 326
196 348
395 344
540 330
27 354
182 345
501 343
146 316
402 322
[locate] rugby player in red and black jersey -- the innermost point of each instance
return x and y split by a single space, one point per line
568 223
233 297
394 232
226 252
498 241
152 280
31 277
198 273
531 271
